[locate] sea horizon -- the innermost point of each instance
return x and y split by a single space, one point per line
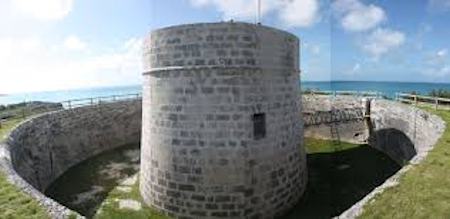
388 88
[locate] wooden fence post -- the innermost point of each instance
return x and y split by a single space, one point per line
415 100
436 103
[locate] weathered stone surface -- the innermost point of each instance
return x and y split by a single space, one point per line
42 148
46 146
354 131
203 86
54 209
404 133
185 188
421 128
129 204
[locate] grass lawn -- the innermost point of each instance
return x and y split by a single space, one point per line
424 191
7 126
14 203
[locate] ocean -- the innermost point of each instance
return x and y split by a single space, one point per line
387 88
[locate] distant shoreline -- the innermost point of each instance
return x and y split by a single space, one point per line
388 88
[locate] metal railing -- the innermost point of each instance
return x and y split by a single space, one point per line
26 109
74 103
373 94
436 102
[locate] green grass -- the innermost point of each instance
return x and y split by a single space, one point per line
424 191
330 190
14 203
110 209
7 126
81 177
313 146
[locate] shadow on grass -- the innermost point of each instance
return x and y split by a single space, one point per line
84 186
339 180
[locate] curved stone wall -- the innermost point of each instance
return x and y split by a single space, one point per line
222 121
402 132
42 148
420 127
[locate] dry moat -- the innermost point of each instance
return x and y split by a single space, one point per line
336 180
221 130
89 163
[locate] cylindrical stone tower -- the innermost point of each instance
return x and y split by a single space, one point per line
222 125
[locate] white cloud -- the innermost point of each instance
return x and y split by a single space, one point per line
381 41
437 73
354 16
439 5
444 71
437 64
292 13
315 49
43 9
74 43
300 13
28 64
438 57
442 52
356 67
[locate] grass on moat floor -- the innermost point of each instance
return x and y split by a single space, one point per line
423 191
110 208
336 181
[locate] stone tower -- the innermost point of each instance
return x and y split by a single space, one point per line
222 125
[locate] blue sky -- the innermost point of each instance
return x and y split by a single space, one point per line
64 44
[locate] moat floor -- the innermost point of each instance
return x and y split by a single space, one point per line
336 181
84 187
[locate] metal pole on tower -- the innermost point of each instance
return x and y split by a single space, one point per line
259 11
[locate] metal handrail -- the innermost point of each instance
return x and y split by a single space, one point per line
345 93
92 101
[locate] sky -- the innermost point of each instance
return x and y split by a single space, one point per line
66 44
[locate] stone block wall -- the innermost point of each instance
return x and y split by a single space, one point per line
402 132
203 85
352 131
42 148
399 123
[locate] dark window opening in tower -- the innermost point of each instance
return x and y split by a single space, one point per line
259 126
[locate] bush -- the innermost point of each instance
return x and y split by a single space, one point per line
440 93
